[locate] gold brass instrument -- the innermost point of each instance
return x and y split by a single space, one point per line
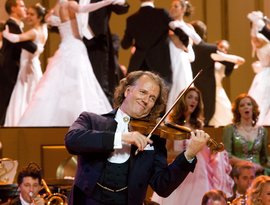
53 199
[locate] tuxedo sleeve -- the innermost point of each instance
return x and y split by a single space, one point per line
182 36
228 67
120 9
266 32
27 45
166 178
128 38
89 134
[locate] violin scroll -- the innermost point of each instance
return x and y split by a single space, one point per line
214 146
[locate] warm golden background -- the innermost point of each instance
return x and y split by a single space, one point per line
226 19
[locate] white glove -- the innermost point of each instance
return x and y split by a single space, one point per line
119 2
220 56
197 141
174 24
53 20
14 38
256 17
188 30
257 67
94 6
40 48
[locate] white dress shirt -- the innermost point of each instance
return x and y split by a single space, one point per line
23 202
122 150
147 4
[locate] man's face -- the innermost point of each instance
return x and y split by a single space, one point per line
244 180
141 97
19 10
29 185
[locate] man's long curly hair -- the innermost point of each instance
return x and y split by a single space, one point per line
130 80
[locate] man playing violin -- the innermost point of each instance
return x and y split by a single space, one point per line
109 171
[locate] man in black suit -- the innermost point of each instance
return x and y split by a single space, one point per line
109 170
11 53
206 82
148 30
100 48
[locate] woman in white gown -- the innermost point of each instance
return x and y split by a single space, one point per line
260 87
30 70
68 86
223 114
181 57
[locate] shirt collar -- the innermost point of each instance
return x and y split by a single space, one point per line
23 202
237 194
120 116
144 4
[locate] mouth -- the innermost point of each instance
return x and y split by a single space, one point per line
247 112
192 106
141 105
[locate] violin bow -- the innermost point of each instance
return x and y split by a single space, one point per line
172 106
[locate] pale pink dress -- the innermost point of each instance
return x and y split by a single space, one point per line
211 172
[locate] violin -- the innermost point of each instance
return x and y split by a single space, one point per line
164 131
171 131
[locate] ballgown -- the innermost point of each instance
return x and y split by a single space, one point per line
223 114
181 69
211 172
68 86
29 75
260 87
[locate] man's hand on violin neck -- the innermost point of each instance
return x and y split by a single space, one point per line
136 139
197 141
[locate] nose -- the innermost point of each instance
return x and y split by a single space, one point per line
145 99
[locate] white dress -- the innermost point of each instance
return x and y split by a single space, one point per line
181 70
260 87
68 86
29 75
223 114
